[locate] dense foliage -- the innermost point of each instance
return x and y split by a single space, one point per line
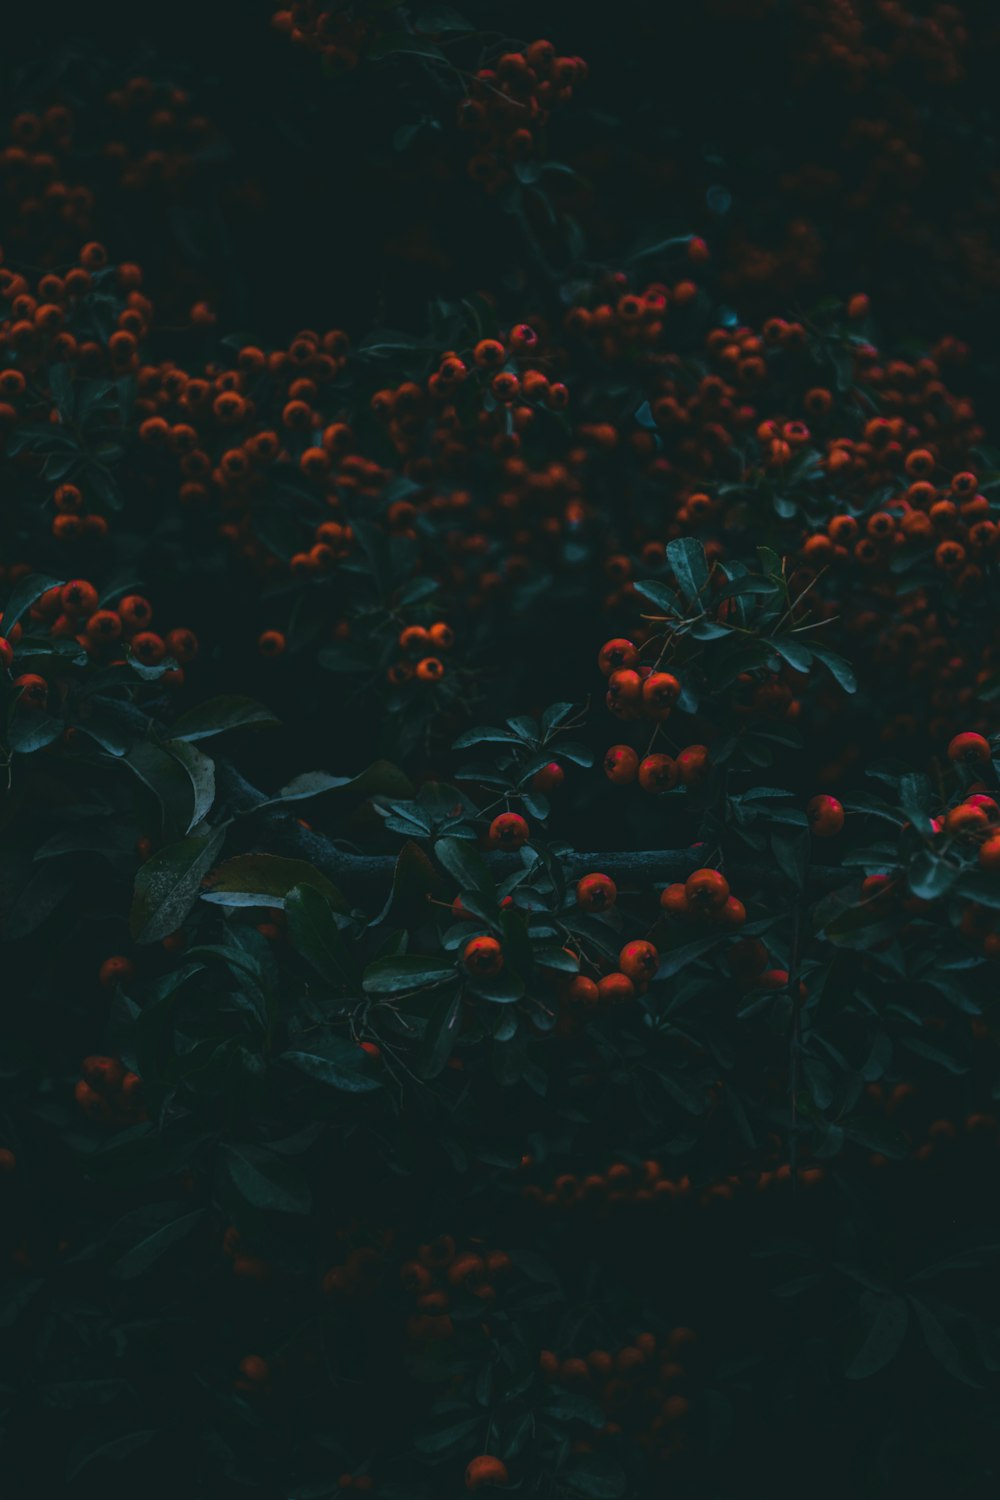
500 856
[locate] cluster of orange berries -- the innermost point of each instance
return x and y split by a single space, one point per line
157 133
70 612
338 36
636 691
640 1387
153 138
861 42
628 320
440 1273
648 1183
422 645
44 210
35 331
638 962
502 368
109 1093
509 104
704 897
952 520
250 1266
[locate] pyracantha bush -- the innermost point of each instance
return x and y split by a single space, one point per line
501 844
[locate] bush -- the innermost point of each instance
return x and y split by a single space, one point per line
500 864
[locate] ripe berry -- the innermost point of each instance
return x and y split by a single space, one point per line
271 643
674 899
616 654
989 854
826 816
254 1370
583 991
707 890
660 692
549 778
485 1470
508 831
733 914
596 893
34 690
489 354
639 960
117 970
78 597
483 957
442 635
987 804
413 638
624 686
615 989
430 669
621 764
693 764
658 773
969 747
104 627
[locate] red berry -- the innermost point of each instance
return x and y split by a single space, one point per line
639 960
969 747
615 989
117 970
596 892
549 778
621 764
693 764
658 773
826 816
483 957
707 890
660 692
508 831
485 1470
616 654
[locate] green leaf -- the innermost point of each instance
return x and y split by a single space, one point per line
686 558
338 1063
941 1344
265 880
401 975
929 876
596 1477
485 736
141 1256
266 1181
314 933
840 670
468 868
218 715
678 958
116 1449
168 884
309 784
791 850
23 595
886 1319
658 594
440 1035
201 770
798 657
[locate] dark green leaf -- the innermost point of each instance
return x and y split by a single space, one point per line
168 884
